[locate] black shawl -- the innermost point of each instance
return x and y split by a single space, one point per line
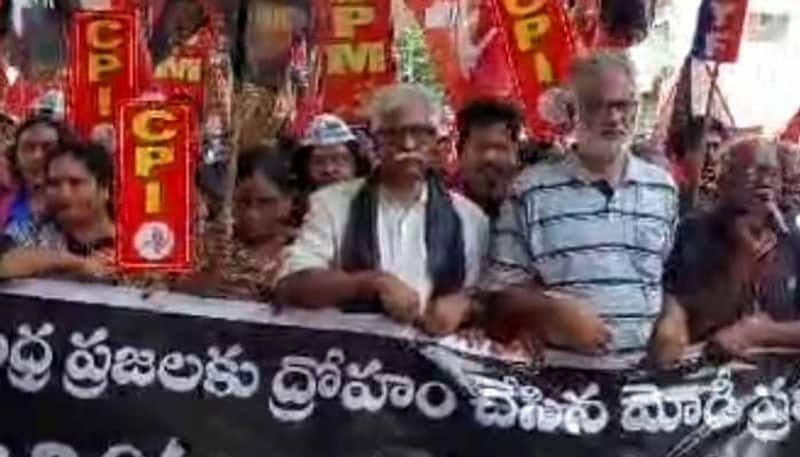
444 239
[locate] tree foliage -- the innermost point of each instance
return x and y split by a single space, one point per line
415 63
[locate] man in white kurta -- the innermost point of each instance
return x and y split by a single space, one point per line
429 243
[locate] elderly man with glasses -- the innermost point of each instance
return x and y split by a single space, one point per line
396 242
579 248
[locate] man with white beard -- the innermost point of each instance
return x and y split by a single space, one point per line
578 250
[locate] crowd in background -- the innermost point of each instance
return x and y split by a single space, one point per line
594 245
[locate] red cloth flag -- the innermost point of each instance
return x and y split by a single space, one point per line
355 40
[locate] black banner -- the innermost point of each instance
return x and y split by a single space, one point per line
92 370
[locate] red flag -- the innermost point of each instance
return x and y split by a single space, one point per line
355 42
466 45
155 202
540 46
103 66
719 30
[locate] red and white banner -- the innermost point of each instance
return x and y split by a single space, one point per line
467 48
540 46
719 30
103 67
155 198
355 38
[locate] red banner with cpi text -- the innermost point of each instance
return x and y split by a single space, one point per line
540 46
103 67
155 193
355 38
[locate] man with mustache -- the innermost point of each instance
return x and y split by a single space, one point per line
734 269
396 242
578 249
488 144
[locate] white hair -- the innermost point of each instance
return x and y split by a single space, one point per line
586 71
389 99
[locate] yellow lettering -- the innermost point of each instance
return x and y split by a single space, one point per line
152 200
101 64
544 70
184 69
149 157
518 8
94 34
347 18
356 58
144 130
104 101
528 31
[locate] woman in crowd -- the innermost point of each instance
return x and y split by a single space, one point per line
79 235
34 140
329 153
263 205
262 222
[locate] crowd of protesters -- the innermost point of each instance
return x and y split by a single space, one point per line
595 246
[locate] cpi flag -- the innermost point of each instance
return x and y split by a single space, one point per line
719 30
541 47
155 201
103 67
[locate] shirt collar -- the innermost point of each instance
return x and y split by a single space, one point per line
388 199
634 170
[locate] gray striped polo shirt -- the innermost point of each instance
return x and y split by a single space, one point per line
605 245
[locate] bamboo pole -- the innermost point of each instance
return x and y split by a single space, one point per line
694 190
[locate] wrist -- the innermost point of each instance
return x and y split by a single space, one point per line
67 261
367 284
768 332
478 312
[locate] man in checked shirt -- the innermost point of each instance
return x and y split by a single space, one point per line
579 248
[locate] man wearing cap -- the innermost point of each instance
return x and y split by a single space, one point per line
396 242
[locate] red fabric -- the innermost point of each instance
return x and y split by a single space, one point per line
20 98
175 178
85 108
720 24
177 86
540 61
792 131
468 48
345 87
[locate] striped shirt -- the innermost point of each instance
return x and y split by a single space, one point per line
605 245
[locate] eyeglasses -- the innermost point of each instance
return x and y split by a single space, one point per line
425 134
593 106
